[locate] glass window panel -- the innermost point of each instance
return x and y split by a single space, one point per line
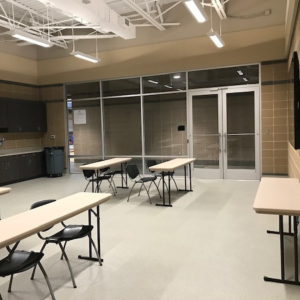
85 140
240 113
164 83
205 114
83 90
121 87
224 77
123 126
206 131
241 152
162 115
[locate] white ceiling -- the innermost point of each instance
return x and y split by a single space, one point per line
149 23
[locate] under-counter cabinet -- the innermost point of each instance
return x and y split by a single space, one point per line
9 168
21 167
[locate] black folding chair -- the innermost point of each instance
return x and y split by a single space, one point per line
134 175
19 261
68 233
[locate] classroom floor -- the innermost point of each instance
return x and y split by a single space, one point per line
211 245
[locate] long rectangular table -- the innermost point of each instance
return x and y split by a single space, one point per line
281 196
170 166
109 163
23 225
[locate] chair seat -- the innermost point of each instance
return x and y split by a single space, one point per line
103 177
166 174
69 233
20 261
145 179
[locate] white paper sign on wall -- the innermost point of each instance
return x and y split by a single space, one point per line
80 116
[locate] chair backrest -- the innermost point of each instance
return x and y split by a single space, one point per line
41 203
150 163
88 173
132 171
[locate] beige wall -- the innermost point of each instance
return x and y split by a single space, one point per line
274 104
181 55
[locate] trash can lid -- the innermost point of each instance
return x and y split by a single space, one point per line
56 147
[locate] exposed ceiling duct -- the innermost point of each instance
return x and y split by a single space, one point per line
96 13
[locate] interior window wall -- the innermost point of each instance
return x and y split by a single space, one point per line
122 123
84 124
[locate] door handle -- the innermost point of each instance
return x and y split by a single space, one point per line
225 143
220 142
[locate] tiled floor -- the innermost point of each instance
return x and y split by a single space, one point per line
210 245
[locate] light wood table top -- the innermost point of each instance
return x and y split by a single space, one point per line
105 163
278 196
25 224
172 164
4 190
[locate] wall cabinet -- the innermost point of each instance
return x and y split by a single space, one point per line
22 116
21 167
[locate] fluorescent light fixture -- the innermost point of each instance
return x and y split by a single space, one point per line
196 10
240 72
176 76
84 56
168 86
245 79
215 37
152 81
28 37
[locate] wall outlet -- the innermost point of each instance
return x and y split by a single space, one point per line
52 136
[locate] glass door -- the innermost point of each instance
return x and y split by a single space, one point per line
224 133
241 133
205 139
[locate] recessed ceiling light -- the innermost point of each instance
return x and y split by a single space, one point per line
240 72
245 79
176 76
168 86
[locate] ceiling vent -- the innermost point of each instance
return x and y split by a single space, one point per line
124 22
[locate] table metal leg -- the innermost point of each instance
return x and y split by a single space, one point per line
90 257
185 181
281 233
168 189
290 233
123 170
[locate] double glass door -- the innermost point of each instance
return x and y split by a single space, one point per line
224 133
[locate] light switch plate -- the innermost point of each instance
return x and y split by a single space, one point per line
52 136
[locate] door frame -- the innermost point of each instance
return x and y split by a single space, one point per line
220 174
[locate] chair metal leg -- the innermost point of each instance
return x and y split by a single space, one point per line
147 192
47 280
140 189
10 282
130 192
150 185
112 180
62 256
159 181
67 260
112 188
87 186
157 188
98 255
33 272
175 183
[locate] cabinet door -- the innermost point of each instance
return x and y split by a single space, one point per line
14 112
41 117
3 114
23 166
2 170
34 164
12 168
